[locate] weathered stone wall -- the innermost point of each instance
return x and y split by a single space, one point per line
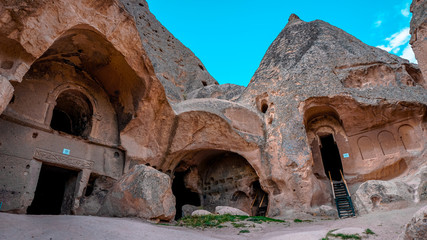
95 48
179 70
419 34
370 89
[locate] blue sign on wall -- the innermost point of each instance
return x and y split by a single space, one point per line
346 155
66 151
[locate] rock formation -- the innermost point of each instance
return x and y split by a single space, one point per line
417 227
179 70
419 33
100 99
142 192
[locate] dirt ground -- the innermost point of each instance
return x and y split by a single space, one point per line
386 225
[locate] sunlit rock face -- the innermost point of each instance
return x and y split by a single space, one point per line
179 70
318 86
91 91
419 33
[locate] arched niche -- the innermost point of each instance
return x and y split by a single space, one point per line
366 147
90 53
409 137
72 114
387 142
327 139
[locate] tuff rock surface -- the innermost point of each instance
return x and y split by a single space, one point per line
142 192
313 65
416 229
223 210
418 32
201 212
383 195
227 91
179 70
164 110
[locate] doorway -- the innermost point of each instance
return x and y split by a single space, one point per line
54 192
182 194
331 157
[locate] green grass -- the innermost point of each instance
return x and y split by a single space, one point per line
297 220
244 231
238 225
216 220
369 231
341 235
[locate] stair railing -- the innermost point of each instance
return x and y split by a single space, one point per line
345 183
332 184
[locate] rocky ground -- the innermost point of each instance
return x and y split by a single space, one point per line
386 225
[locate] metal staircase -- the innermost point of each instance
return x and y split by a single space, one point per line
342 197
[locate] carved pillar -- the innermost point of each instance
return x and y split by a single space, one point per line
82 180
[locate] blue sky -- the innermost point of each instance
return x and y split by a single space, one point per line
231 36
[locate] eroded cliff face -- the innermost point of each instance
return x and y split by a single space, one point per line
142 100
316 81
179 70
89 86
419 33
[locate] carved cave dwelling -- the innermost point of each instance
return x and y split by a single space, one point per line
113 116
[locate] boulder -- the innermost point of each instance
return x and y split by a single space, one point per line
90 205
188 209
325 210
143 192
223 210
376 194
418 182
416 229
201 212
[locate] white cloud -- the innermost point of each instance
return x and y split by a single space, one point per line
396 41
399 38
378 23
409 54
388 49
405 12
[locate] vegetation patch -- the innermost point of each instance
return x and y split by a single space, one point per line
369 232
208 221
341 235
297 220
238 225
244 231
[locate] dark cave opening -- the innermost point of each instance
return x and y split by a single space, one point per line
331 157
54 192
182 194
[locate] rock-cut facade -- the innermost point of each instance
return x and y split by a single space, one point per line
104 112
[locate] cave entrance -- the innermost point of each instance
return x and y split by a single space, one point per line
72 114
54 192
331 157
182 194
260 200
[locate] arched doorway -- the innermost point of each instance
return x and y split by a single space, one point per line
328 143
330 157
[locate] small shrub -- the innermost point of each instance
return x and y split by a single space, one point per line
369 231
244 231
